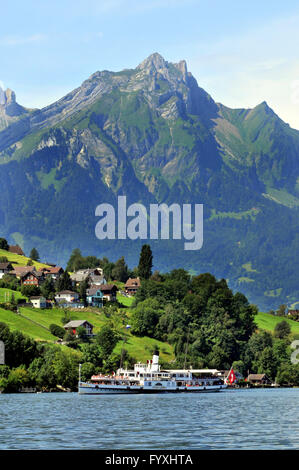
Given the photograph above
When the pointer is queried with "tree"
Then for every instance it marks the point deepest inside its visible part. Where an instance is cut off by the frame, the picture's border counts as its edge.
(64, 282)
(282, 329)
(48, 289)
(75, 260)
(281, 310)
(267, 363)
(57, 330)
(120, 270)
(30, 291)
(145, 262)
(82, 291)
(34, 255)
(146, 317)
(3, 244)
(107, 339)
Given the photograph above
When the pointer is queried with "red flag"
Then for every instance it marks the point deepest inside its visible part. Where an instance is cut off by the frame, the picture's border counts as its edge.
(231, 376)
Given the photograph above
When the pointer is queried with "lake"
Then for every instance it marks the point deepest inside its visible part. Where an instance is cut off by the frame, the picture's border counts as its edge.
(232, 419)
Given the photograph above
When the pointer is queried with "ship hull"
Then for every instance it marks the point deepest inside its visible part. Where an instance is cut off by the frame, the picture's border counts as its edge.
(92, 390)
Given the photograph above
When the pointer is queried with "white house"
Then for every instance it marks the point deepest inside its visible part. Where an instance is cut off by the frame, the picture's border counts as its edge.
(67, 296)
(38, 302)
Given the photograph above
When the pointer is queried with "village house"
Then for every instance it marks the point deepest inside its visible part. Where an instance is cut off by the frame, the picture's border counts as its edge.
(94, 297)
(19, 271)
(39, 301)
(109, 292)
(5, 268)
(132, 286)
(16, 249)
(258, 379)
(95, 271)
(53, 272)
(67, 296)
(94, 276)
(75, 324)
(32, 278)
(97, 280)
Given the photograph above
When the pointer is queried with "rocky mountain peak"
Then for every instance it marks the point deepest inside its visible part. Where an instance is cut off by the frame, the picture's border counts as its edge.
(182, 67)
(155, 62)
(7, 97)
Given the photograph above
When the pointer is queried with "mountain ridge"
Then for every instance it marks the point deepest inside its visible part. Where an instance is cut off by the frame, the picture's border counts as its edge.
(152, 134)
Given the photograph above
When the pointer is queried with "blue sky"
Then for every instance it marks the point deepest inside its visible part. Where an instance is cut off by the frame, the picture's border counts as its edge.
(242, 53)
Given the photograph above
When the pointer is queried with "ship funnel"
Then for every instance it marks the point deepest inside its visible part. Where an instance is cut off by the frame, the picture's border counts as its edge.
(155, 362)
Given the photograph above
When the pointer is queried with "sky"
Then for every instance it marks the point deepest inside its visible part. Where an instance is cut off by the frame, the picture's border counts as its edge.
(240, 52)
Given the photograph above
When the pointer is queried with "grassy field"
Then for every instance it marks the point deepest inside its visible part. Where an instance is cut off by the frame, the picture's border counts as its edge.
(18, 323)
(267, 322)
(35, 323)
(127, 301)
(6, 295)
(54, 315)
(19, 260)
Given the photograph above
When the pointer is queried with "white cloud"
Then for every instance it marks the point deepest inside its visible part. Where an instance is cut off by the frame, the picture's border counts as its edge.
(20, 40)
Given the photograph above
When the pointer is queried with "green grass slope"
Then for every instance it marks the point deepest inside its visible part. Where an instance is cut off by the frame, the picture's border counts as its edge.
(19, 260)
(35, 323)
(267, 322)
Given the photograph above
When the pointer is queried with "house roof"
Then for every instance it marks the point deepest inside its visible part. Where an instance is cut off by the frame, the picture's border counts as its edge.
(34, 273)
(79, 277)
(76, 323)
(135, 282)
(257, 377)
(5, 265)
(20, 270)
(108, 287)
(93, 290)
(37, 297)
(97, 271)
(70, 292)
(16, 249)
(55, 270)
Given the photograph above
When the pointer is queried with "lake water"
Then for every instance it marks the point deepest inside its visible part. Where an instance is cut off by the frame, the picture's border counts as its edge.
(232, 419)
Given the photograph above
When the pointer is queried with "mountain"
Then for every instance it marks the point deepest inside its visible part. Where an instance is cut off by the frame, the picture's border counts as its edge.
(152, 134)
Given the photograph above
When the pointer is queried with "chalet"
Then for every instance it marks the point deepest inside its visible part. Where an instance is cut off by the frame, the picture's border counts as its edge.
(132, 286)
(258, 379)
(54, 272)
(5, 268)
(32, 278)
(38, 302)
(75, 324)
(97, 280)
(88, 271)
(109, 292)
(67, 296)
(94, 276)
(94, 297)
(16, 249)
(19, 271)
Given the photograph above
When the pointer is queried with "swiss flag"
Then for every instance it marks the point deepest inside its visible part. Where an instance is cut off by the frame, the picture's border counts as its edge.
(231, 376)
